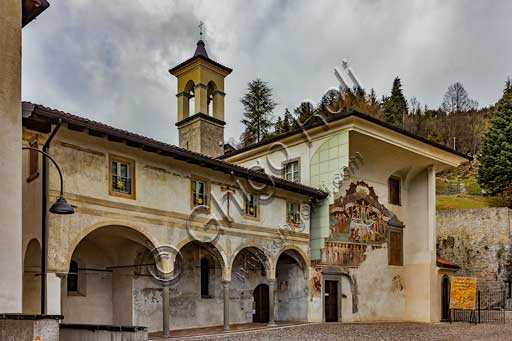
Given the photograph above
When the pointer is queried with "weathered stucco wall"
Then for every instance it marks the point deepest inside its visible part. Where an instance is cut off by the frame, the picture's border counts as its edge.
(480, 242)
(11, 253)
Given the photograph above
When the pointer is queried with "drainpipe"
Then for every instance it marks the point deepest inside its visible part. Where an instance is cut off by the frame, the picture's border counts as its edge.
(44, 211)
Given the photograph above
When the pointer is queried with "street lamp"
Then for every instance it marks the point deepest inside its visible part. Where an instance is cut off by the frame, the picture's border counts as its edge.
(60, 206)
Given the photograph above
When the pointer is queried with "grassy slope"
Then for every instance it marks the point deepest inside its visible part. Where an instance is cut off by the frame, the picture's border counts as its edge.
(447, 202)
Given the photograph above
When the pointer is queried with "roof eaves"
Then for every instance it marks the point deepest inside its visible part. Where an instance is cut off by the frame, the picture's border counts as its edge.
(165, 149)
(339, 117)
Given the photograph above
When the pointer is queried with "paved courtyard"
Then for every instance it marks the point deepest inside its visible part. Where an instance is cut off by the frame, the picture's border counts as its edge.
(373, 331)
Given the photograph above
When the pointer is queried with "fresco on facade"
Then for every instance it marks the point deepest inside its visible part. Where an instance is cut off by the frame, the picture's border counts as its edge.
(357, 222)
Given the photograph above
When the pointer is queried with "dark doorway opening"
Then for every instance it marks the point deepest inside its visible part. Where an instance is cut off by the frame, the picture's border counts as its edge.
(445, 299)
(331, 301)
(261, 296)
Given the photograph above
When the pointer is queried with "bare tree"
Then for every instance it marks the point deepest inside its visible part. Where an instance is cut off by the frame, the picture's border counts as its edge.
(456, 99)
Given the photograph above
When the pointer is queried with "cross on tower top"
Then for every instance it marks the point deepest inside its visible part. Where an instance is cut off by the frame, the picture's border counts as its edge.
(201, 25)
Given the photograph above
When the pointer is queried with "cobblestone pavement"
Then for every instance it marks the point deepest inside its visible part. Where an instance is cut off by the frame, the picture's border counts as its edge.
(376, 331)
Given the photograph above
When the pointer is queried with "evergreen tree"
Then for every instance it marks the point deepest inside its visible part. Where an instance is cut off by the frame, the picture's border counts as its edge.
(395, 106)
(435, 136)
(279, 126)
(495, 170)
(258, 106)
(287, 121)
(304, 112)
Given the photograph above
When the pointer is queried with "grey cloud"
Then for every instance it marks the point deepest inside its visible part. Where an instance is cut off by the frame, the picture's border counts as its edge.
(108, 60)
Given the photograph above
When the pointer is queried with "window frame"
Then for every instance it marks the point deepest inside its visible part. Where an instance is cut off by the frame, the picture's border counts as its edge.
(257, 203)
(288, 220)
(208, 192)
(290, 162)
(81, 284)
(390, 250)
(399, 182)
(132, 173)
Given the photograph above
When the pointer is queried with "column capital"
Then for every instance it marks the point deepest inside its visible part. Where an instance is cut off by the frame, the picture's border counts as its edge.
(226, 283)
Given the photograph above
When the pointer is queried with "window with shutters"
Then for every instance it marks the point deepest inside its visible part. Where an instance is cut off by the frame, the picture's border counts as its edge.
(122, 177)
(33, 161)
(252, 206)
(293, 213)
(200, 192)
(395, 247)
(291, 170)
(394, 190)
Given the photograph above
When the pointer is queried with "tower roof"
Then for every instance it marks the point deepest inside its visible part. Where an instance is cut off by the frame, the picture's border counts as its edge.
(200, 54)
(201, 50)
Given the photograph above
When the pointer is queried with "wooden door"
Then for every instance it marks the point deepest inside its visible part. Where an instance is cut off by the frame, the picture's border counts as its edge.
(331, 301)
(261, 297)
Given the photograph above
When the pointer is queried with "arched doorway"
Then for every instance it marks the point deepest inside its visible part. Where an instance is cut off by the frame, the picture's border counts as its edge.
(445, 299)
(198, 290)
(32, 279)
(250, 267)
(261, 304)
(108, 279)
(292, 293)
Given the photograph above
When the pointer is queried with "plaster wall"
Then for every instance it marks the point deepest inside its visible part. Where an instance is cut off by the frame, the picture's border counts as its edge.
(161, 213)
(94, 303)
(292, 293)
(11, 251)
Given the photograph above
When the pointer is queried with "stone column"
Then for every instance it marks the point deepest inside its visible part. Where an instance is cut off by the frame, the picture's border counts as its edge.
(11, 268)
(183, 105)
(53, 293)
(201, 99)
(218, 104)
(271, 294)
(226, 285)
(165, 310)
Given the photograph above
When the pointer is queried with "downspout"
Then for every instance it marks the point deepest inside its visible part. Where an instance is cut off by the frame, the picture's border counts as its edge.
(44, 211)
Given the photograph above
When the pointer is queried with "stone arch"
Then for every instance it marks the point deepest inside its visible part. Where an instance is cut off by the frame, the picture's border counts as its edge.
(303, 258)
(113, 258)
(292, 279)
(256, 248)
(31, 280)
(189, 98)
(216, 252)
(151, 242)
(211, 90)
(256, 251)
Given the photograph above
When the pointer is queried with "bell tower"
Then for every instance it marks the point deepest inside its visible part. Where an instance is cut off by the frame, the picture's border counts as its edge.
(201, 90)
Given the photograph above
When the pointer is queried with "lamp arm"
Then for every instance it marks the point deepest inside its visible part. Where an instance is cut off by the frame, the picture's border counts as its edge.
(54, 162)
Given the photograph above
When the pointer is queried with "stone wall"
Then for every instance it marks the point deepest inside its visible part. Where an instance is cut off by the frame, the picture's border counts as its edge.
(479, 241)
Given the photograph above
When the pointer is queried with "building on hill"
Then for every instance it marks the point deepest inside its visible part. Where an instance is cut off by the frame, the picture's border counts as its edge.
(197, 238)
(373, 241)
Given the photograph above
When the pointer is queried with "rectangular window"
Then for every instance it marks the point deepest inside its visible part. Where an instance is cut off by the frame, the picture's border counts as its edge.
(252, 205)
(33, 161)
(395, 248)
(122, 177)
(293, 213)
(394, 191)
(291, 171)
(200, 193)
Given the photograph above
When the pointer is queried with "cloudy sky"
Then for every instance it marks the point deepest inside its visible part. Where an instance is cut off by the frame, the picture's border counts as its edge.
(108, 60)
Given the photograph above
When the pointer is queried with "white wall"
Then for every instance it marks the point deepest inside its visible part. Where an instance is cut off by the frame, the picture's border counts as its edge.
(11, 250)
